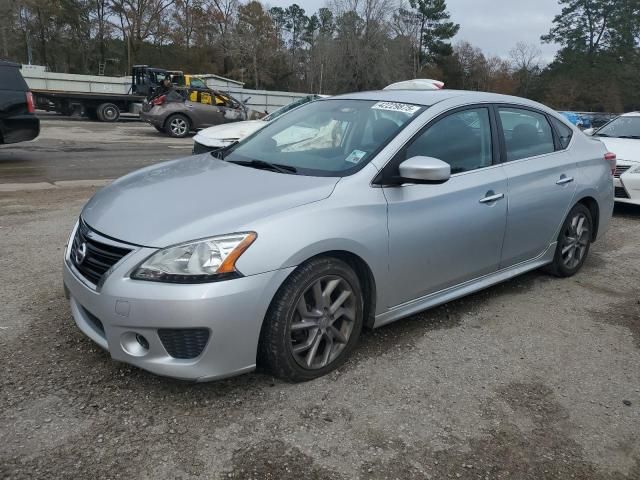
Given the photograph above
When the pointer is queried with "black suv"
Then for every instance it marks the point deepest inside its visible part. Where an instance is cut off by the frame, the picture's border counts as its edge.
(18, 122)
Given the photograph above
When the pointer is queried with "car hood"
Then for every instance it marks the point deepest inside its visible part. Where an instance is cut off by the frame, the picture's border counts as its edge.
(222, 135)
(626, 149)
(196, 197)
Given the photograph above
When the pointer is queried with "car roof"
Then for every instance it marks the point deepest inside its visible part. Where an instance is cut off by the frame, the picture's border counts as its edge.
(431, 97)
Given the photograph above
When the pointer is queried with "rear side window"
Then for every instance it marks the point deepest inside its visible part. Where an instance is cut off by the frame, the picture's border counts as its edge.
(462, 139)
(526, 133)
(564, 133)
(11, 79)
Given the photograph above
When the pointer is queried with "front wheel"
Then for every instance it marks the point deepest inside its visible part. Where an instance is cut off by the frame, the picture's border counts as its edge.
(313, 322)
(177, 126)
(573, 242)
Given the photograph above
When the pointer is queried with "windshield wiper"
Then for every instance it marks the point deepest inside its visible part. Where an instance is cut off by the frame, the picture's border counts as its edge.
(221, 152)
(634, 137)
(601, 135)
(276, 167)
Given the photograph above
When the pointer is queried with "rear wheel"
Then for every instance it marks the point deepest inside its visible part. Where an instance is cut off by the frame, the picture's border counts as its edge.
(573, 243)
(313, 322)
(108, 112)
(177, 125)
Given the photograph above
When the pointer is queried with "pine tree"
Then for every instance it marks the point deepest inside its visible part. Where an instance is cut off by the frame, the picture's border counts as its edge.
(436, 29)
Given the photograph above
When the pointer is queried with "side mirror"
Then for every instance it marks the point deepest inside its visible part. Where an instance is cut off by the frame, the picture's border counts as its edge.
(589, 131)
(424, 170)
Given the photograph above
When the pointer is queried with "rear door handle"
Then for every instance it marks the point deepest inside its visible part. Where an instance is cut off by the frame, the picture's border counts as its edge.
(564, 180)
(492, 197)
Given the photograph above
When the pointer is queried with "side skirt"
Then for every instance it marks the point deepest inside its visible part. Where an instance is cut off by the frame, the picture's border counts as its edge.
(464, 289)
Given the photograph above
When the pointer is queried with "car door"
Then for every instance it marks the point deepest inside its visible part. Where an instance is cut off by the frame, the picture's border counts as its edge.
(446, 234)
(203, 113)
(540, 172)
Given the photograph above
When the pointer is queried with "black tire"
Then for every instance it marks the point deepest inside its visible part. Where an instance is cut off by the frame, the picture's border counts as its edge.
(177, 125)
(108, 112)
(278, 340)
(160, 129)
(572, 242)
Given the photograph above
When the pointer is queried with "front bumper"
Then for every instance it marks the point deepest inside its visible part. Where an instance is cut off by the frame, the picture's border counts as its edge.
(627, 187)
(120, 309)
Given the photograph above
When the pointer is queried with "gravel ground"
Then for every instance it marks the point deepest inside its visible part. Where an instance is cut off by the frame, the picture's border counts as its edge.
(538, 378)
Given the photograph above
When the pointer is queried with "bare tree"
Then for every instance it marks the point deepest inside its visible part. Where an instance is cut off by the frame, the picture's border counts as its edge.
(139, 21)
(526, 61)
(223, 15)
(186, 18)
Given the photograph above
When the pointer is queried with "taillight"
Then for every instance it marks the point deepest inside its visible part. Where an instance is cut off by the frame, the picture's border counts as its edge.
(159, 100)
(31, 107)
(611, 158)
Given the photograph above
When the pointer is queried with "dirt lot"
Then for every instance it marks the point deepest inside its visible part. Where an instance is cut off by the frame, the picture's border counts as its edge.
(538, 378)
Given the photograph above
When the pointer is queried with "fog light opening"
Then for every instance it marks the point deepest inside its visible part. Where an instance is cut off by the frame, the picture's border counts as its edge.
(134, 344)
(142, 341)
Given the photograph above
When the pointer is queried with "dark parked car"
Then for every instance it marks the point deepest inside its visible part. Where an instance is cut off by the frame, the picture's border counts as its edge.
(18, 122)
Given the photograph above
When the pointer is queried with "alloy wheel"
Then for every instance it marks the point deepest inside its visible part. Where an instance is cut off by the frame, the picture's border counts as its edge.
(576, 240)
(322, 322)
(178, 126)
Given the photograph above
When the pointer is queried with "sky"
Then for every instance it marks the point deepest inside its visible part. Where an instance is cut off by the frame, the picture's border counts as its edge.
(493, 25)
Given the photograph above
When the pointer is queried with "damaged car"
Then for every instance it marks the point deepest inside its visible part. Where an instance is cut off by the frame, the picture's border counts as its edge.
(179, 112)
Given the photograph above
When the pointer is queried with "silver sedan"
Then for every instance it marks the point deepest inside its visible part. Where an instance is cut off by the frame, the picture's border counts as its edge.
(349, 212)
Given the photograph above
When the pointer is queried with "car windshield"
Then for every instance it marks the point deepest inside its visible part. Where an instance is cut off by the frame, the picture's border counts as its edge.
(290, 106)
(326, 138)
(621, 127)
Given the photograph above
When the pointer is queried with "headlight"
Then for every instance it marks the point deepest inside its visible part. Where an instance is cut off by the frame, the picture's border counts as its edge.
(196, 262)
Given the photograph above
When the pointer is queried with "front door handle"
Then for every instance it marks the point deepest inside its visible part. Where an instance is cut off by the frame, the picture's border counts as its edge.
(492, 197)
(564, 180)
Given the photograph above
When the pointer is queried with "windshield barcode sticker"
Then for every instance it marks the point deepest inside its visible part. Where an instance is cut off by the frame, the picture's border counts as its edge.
(355, 156)
(397, 107)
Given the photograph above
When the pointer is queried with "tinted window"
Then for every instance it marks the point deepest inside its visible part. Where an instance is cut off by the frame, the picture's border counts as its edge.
(526, 133)
(564, 132)
(462, 139)
(11, 79)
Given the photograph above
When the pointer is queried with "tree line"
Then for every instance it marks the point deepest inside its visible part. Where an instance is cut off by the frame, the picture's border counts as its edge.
(349, 45)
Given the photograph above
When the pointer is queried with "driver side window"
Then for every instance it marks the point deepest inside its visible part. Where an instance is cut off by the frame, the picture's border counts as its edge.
(461, 139)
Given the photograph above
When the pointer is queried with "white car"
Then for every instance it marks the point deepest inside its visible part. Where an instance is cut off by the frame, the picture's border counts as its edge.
(622, 137)
(221, 136)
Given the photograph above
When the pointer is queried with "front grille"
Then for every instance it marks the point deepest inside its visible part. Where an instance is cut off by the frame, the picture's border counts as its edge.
(200, 148)
(621, 193)
(184, 343)
(620, 169)
(91, 257)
